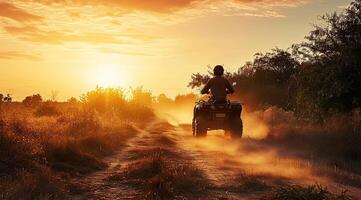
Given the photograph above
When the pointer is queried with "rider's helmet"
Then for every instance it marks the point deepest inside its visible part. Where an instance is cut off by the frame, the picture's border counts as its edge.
(218, 70)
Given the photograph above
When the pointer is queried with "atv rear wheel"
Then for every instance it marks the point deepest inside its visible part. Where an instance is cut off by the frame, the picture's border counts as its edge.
(236, 128)
(199, 127)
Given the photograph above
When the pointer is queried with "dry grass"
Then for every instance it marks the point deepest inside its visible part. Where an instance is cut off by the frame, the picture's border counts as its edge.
(39, 184)
(46, 109)
(335, 142)
(161, 177)
(40, 147)
(296, 192)
(244, 183)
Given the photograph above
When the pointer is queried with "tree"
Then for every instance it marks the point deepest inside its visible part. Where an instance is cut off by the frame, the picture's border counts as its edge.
(275, 67)
(198, 79)
(330, 79)
(318, 78)
(33, 100)
(72, 100)
(104, 99)
(264, 81)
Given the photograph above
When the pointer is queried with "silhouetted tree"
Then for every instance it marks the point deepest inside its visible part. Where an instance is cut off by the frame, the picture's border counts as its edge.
(8, 98)
(275, 67)
(261, 82)
(321, 77)
(33, 100)
(330, 79)
(197, 80)
(72, 100)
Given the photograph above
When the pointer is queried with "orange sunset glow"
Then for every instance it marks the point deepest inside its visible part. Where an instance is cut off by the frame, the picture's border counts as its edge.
(180, 99)
(72, 46)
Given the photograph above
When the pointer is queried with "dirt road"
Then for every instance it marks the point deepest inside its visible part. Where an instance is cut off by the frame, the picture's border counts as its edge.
(166, 162)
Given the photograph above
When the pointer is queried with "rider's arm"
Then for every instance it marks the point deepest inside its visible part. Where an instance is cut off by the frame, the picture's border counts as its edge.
(229, 87)
(206, 88)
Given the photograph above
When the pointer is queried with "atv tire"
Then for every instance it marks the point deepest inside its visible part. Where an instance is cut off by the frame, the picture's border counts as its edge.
(236, 130)
(199, 127)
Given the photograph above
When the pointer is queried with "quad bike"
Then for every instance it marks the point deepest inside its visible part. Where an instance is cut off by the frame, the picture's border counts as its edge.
(213, 115)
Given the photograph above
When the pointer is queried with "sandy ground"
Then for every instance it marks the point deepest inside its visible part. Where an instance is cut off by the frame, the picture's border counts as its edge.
(223, 161)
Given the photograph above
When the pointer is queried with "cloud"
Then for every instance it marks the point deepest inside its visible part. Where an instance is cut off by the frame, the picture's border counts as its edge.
(274, 3)
(18, 55)
(154, 5)
(148, 5)
(112, 22)
(33, 34)
(59, 37)
(12, 12)
(56, 37)
(125, 52)
(164, 6)
(19, 30)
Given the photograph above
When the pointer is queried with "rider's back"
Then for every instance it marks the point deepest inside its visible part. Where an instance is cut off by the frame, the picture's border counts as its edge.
(218, 86)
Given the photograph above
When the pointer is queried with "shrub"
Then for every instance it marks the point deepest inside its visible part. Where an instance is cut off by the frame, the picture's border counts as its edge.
(46, 109)
(104, 100)
(33, 100)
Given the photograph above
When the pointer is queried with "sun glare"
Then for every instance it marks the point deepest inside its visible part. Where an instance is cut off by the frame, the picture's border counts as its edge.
(108, 76)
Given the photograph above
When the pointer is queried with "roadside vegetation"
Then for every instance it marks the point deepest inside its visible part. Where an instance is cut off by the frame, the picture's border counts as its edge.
(311, 91)
(163, 178)
(315, 79)
(308, 96)
(44, 144)
(313, 192)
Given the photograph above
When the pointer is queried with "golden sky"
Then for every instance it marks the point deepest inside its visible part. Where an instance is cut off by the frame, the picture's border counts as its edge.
(72, 46)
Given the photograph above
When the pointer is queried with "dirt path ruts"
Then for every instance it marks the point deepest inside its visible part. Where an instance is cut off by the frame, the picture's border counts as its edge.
(231, 172)
(97, 185)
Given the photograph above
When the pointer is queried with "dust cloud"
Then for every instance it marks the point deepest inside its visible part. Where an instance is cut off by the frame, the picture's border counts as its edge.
(252, 158)
(255, 126)
(252, 155)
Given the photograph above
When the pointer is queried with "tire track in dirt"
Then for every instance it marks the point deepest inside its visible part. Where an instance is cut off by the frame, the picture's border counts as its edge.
(112, 184)
(95, 186)
(231, 169)
(246, 169)
(226, 176)
(178, 144)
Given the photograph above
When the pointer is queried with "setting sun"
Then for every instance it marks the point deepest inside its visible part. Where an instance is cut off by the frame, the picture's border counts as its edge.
(108, 76)
(120, 43)
(180, 99)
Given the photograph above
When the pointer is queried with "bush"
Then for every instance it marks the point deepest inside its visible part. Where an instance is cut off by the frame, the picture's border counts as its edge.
(38, 155)
(317, 79)
(104, 100)
(34, 100)
(46, 109)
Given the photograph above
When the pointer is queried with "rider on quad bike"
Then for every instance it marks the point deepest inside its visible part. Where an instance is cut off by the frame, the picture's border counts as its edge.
(218, 112)
(218, 85)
